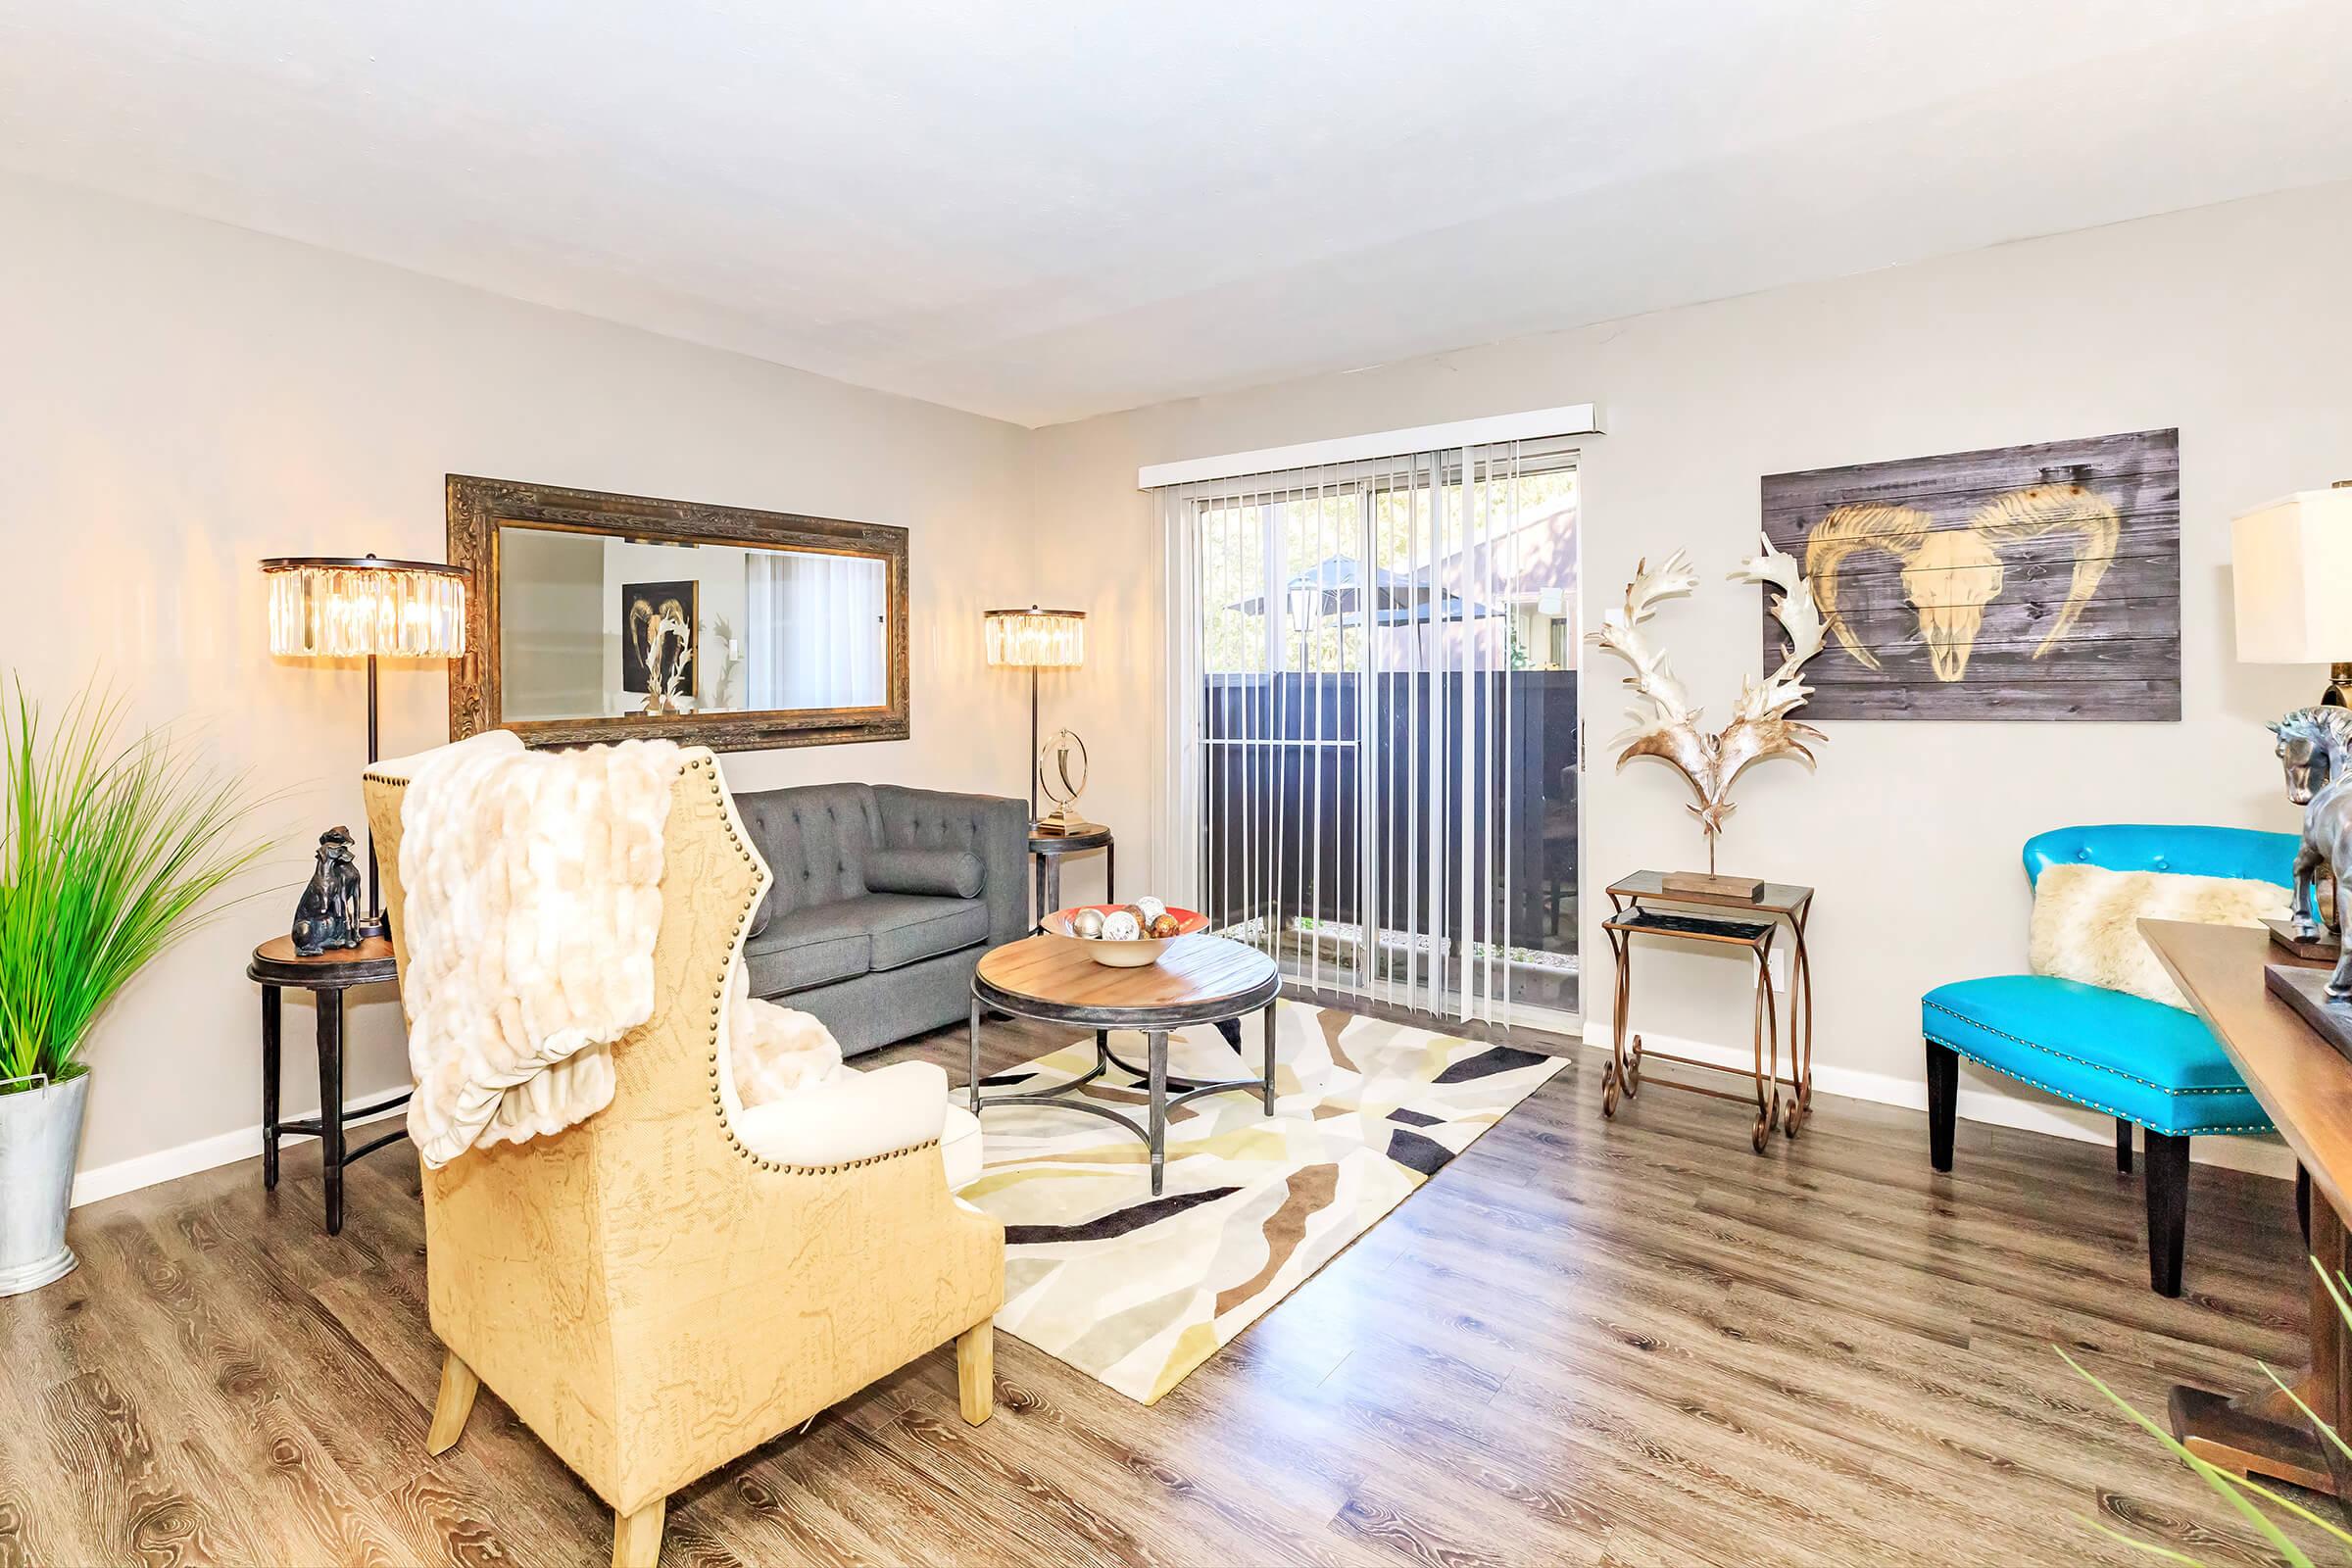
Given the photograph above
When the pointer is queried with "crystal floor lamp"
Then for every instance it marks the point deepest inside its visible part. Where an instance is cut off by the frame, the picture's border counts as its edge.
(1042, 639)
(360, 606)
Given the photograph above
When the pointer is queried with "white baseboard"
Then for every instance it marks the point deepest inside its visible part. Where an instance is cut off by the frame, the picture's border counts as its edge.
(2041, 1114)
(187, 1159)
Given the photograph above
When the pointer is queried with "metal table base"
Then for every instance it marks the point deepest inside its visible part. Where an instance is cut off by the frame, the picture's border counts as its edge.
(1166, 1092)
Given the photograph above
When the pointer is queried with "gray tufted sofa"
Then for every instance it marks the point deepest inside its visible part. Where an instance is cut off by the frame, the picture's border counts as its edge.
(884, 900)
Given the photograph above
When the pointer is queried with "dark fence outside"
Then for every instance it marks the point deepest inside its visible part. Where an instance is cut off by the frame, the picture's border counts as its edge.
(1287, 755)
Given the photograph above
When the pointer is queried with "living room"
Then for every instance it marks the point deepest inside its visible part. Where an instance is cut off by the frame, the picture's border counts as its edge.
(1247, 525)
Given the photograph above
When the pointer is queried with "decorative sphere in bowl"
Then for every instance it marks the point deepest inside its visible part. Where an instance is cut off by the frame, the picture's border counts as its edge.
(1150, 908)
(1139, 944)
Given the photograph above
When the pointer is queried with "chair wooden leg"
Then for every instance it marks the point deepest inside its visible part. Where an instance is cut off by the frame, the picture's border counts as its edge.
(458, 1386)
(637, 1536)
(2168, 1209)
(976, 1369)
(1944, 1102)
(2123, 1147)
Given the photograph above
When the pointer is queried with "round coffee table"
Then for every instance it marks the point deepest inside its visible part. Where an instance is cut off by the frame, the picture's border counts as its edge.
(1199, 979)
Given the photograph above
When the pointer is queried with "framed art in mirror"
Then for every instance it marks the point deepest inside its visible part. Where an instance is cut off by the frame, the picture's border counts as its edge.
(600, 618)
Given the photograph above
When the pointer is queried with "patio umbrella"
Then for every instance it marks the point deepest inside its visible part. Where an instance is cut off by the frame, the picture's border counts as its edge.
(1335, 584)
(1427, 612)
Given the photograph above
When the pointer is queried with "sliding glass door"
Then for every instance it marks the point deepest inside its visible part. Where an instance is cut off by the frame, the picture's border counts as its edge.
(1373, 698)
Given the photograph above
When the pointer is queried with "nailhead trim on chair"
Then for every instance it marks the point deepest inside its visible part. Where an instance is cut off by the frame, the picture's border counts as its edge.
(2068, 1095)
(718, 1101)
(2035, 1044)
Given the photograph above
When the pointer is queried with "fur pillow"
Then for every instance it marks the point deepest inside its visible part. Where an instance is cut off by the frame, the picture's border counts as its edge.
(2087, 922)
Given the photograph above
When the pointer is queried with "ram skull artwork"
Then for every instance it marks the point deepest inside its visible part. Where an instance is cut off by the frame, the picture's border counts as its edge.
(665, 636)
(1665, 724)
(1950, 574)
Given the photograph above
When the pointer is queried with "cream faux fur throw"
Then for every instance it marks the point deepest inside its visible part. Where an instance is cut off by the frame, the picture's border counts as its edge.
(2087, 922)
(532, 888)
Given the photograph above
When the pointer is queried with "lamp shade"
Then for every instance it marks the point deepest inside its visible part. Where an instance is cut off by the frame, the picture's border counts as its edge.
(1039, 638)
(354, 606)
(2292, 566)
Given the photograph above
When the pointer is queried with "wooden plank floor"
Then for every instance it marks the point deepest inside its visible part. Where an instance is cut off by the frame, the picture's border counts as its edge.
(1582, 1343)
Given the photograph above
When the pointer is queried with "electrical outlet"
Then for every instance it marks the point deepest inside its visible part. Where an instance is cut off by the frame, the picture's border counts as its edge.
(1778, 967)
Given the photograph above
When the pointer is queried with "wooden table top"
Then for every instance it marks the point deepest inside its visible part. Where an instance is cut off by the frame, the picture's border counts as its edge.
(2304, 1087)
(1779, 898)
(1199, 979)
(277, 961)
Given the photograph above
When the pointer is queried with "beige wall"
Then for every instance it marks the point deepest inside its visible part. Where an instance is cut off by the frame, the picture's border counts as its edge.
(180, 399)
(2233, 322)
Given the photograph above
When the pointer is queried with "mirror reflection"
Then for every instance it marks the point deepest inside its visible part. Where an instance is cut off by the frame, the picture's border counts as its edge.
(592, 626)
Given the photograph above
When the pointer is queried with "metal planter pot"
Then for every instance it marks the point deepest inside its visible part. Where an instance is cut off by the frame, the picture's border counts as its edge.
(40, 1133)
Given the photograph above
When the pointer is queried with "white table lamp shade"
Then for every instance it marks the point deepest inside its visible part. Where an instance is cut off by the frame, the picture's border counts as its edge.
(2292, 566)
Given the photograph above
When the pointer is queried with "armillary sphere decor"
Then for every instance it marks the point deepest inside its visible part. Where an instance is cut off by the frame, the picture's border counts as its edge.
(1665, 724)
(1061, 774)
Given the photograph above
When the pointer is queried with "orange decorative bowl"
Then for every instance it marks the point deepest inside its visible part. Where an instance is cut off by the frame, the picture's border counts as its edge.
(1120, 954)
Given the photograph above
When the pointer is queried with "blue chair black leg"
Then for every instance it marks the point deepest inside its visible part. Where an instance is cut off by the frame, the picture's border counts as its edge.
(2123, 1147)
(2168, 1208)
(1944, 1102)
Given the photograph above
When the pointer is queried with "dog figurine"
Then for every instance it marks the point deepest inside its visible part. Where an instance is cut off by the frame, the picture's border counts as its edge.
(328, 915)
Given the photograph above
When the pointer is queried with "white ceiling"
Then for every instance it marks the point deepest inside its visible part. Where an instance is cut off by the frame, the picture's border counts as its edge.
(1046, 209)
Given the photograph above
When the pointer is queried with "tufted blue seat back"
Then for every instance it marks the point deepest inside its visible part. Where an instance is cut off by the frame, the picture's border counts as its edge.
(2231, 851)
(814, 839)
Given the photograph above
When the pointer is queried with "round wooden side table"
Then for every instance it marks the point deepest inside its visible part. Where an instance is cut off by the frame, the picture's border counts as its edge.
(327, 977)
(1049, 847)
(1199, 979)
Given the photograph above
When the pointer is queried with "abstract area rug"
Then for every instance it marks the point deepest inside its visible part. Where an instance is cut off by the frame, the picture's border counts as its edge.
(1138, 1290)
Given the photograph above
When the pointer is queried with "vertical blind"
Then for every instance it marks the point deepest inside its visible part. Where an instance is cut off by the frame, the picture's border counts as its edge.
(1346, 785)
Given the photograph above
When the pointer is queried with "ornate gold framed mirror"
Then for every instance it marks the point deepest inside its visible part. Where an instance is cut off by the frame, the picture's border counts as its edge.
(601, 618)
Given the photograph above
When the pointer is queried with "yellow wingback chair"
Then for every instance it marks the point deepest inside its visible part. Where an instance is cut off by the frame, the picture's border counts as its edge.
(652, 1294)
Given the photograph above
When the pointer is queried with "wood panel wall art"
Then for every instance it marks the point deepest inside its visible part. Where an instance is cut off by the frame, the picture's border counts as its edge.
(2028, 582)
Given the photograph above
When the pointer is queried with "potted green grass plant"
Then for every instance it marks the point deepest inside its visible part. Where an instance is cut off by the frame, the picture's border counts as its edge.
(113, 845)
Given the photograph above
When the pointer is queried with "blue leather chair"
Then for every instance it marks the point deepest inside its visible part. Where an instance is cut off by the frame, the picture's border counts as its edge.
(2143, 1064)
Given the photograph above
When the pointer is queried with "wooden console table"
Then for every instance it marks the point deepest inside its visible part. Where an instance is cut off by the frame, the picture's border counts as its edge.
(2306, 1090)
(1752, 923)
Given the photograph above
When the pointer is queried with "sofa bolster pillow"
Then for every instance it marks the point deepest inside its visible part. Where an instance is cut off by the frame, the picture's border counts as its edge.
(941, 873)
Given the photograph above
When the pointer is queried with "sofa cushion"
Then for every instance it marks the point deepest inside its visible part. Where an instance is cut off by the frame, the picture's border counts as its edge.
(855, 1115)
(907, 927)
(959, 1147)
(947, 873)
(810, 947)
(2126, 1055)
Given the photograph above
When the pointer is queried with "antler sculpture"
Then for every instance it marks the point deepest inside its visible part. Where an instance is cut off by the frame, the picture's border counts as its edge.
(1665, 724)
